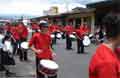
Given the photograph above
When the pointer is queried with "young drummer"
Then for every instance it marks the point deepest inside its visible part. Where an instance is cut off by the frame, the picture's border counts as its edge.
(42, 46)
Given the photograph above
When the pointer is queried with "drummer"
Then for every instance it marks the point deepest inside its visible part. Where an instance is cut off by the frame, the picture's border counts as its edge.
(16, 37)
(80, 32)
(54, 29)
(68, 30)
(35, 27)
(42, 47)
(23, 34)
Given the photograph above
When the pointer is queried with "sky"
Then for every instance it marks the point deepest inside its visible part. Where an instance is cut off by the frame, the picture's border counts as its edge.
(36, 7)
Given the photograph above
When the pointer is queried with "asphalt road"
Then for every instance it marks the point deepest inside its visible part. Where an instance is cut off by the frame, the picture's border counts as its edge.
(71, 64)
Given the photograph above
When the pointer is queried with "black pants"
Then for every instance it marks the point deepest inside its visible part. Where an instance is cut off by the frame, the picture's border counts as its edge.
(80, 46)
(63, 35)
(16, 49)
(40, 75)
(2, 68)
(54, 40)
(23, 53)
(68, 42)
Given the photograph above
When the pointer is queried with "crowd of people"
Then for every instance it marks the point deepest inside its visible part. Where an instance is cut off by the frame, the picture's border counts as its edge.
(104, 63)
(11, 38)
(41, 42)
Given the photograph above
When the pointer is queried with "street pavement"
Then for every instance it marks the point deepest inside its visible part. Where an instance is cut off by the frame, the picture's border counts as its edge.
(71, 64)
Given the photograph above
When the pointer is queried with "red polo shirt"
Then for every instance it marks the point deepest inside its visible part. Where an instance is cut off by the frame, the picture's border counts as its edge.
(23, 32)
(79, 33)
(15, 33)
(54, 28)
(104, 64)
(35, 26)
(68, 29)
(42, 42)
(86, 29)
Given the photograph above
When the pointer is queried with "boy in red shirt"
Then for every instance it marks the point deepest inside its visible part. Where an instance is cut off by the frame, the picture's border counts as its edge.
(80, 34)
(42, 46)
(23, 34)
(105, 63)
(68, 30)
(54, 29)
(35, 27)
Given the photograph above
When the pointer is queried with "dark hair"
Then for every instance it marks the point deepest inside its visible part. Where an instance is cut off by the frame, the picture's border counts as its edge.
(116, 5)
(111, 24)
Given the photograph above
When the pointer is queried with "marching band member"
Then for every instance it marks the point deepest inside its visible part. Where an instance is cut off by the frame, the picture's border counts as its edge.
(42, 47)
(23, 34)
(80, 35)
(15, 34)
(105, 63)
(35, 27)
(68, 30)
(54, 29)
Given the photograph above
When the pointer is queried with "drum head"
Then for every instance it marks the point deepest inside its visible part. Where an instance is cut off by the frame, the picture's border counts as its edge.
(1, 36)
(8, 43)
(52, 36)
(72, 36)
(24, 45)
(8, 46)
(86, 41)
(49, 64)
(59, 35)
(91, 35)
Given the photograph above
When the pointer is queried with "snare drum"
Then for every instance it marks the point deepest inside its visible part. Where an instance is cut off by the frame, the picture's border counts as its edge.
(48, 67)
(59, 35)
(73, 38)
(86, 41)
(24, 45)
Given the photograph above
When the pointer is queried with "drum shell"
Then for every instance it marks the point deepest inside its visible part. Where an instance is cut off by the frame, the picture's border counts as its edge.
(47, 71)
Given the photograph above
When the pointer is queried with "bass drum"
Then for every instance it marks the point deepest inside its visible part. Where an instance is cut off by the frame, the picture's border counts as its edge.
(48, 67)
(86, 41)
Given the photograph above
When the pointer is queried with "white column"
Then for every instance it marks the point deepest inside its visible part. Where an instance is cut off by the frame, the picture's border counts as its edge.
(74, 23)
(92, 23)
(82, 20)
